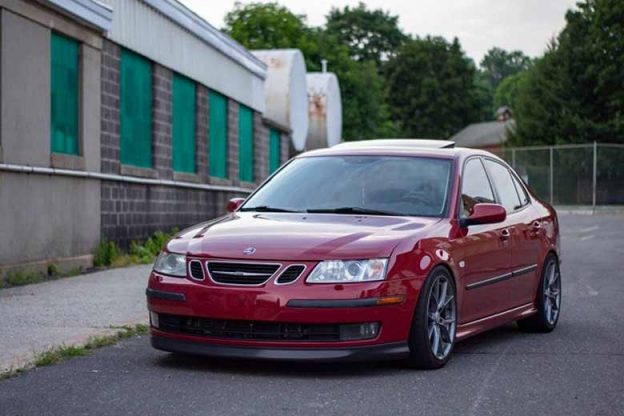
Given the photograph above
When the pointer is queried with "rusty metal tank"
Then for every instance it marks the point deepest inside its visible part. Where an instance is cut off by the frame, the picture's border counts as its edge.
(285, 92)
(324, 110)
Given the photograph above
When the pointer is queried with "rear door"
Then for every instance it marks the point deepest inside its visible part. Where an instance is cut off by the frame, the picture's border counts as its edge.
(524, 232)
(483, 252)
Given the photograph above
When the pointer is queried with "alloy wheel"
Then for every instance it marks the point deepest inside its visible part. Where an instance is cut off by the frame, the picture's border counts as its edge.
(552, 293)
(441, 314)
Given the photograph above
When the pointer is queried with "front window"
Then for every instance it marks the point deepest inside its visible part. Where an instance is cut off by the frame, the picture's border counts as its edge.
(382, 185)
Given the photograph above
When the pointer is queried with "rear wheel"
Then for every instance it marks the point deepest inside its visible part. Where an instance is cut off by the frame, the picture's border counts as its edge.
(435, 321)
(548, 299)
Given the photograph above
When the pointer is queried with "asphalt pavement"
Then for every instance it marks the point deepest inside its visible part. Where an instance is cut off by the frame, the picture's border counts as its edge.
(576, 370)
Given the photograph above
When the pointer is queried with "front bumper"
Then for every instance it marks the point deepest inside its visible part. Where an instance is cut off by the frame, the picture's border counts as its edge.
(392, 351)
(297, 303)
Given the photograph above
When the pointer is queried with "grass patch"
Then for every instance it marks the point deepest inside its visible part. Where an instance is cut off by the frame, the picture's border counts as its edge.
(109, 254)
(20, 278)
(59, 354)
(65, 352)
(24, 277)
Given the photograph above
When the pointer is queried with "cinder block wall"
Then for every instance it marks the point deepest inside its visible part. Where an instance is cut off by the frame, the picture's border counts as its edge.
(134, 211)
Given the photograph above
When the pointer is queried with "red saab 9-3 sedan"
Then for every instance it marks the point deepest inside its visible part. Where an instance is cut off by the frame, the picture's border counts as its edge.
(385, 249)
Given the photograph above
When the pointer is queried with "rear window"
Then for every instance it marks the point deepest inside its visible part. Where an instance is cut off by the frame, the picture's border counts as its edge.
(501, 177)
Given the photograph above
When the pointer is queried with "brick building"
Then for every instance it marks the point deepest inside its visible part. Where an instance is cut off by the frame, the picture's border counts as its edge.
(119, 118)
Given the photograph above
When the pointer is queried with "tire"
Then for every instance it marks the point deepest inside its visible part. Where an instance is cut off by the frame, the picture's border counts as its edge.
(428, 315)
(547, 299)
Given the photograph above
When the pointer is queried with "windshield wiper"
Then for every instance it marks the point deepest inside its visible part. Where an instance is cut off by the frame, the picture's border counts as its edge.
(352, 210)
(266, 208)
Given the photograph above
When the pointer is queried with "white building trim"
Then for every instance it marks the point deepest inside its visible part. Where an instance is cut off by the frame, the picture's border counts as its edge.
(92, 12)
(208, 33)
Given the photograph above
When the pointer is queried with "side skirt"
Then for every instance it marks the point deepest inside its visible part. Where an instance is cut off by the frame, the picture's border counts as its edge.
(483, 324)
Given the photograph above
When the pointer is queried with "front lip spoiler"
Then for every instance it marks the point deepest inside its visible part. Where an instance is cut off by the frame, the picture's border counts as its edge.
(391, 351)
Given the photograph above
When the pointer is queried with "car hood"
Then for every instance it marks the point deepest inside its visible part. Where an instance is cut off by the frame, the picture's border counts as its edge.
(298, 237)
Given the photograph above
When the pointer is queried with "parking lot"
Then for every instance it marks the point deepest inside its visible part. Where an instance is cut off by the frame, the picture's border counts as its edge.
(576, 370)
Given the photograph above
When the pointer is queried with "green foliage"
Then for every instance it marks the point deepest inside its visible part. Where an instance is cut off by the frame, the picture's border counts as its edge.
(431, 90)
(59, 354)
(393, 85)
(105, 253)
(575, 93)
(370, 35)
(508, 90)
(483, 96)
(266, 26)
(499, 64)
(108, 254)
(22, 277)
(146, 252)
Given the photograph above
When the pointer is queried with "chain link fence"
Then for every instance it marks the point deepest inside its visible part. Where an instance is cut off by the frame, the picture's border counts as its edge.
(583, 174)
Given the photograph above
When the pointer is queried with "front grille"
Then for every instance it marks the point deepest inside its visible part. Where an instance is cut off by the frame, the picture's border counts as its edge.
(250, 330)
(290, 274)
(241, 273)
(197, 272)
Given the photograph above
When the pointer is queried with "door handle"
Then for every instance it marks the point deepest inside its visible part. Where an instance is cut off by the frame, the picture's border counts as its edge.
(505, 234)
(536, 225)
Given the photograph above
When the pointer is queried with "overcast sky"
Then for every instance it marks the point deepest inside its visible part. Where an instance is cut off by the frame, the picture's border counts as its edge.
(526, 25)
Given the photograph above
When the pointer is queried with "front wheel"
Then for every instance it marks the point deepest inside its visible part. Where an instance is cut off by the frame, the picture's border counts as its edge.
(434, 324)
(548, 299)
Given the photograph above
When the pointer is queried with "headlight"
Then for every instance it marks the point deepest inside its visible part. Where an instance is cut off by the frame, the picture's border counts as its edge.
(351, 271)
(171, 264)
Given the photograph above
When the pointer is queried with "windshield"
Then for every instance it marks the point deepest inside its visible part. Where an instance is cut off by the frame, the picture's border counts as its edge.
(376, 185)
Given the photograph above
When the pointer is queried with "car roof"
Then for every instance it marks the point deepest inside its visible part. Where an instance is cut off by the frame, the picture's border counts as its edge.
(398, 147)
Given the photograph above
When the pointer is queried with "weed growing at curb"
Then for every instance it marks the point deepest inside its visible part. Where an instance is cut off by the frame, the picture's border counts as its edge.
(65, 352)
(24, 277)
(109, 254)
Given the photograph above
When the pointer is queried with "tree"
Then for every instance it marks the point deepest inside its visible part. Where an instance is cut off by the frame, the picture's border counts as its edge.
(431, 90)
(266, 26)
(498, 64)
(371, 35)
(575, 93)
(507, 91)
(270, 26)
(484, 95)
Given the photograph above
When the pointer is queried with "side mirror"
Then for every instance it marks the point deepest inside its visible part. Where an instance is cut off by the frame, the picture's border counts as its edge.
(234, 203)
(484, 214)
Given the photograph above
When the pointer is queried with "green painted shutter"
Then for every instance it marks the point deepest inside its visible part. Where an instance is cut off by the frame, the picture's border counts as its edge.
(135, 119)
(218, 120)
(246, 149)
(275, 150)
(183, 141)
(64, 94)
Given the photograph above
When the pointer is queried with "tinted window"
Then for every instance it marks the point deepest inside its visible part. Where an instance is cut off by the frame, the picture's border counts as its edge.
(524, 198)
(501, 177)
(475, 186)
(402, 185)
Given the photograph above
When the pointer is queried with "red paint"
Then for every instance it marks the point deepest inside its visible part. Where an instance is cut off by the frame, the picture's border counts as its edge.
(234, 203)
(487, 214)
(497, 243)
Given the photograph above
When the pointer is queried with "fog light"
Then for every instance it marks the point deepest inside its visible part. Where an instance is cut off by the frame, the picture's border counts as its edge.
(359, 331)
(154, 319)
